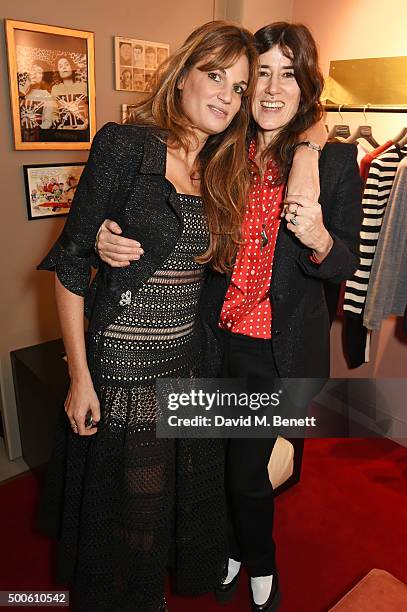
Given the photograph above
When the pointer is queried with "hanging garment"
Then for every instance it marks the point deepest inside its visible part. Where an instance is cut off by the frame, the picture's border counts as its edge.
(366, 161)
(364, 149)
(375, 197)
(387, 293)
(335, 294)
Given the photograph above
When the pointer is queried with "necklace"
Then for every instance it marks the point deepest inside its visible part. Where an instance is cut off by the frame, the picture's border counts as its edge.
(259, 182)
(264, 237)
(263, 232)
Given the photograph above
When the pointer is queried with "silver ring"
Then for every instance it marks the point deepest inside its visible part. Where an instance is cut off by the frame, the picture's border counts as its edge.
(294, 220)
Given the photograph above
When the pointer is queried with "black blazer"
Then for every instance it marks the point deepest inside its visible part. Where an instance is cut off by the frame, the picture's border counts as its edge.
(301, 325)
(124, 180)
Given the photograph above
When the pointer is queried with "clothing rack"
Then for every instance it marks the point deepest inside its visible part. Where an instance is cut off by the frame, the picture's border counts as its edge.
(367, 108)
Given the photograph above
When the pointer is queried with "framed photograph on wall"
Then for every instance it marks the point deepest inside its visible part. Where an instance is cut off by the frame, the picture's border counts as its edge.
(136, 61)
(52, 86)
(50, 189)
(127, 113)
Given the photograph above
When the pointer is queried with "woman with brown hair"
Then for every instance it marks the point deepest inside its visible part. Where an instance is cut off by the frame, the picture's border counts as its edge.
(35, 98)
(39, 78)
(123, 503)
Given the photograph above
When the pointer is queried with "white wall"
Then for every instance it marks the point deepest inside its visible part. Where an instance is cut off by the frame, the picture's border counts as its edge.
(347, 29)
(350, 29)
(259, 13)
(254, 14)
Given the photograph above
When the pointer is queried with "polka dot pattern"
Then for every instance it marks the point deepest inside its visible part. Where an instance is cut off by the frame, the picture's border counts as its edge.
(247, 309)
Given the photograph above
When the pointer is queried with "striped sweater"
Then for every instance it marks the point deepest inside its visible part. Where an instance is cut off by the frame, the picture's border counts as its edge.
(387, 294)
(375, 197)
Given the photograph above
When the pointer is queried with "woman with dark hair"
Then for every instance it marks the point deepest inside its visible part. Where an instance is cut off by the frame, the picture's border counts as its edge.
(272, 309)
(70, 97)
(66, 79)
(282, 328)
(123, 503)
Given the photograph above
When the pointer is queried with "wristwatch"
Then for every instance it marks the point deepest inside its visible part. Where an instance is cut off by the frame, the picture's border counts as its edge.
(309, 144)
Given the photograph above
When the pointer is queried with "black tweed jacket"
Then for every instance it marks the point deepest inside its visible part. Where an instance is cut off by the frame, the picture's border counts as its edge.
(301, 322)
(123, 180)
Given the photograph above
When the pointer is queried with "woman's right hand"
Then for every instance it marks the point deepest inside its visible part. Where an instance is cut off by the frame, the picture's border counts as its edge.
(81, 400)
(113, 249)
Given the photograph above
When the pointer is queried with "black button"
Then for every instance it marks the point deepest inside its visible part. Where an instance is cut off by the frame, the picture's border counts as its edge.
(276, 332)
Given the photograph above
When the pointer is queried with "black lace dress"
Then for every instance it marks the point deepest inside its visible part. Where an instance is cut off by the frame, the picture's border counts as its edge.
(124, 504)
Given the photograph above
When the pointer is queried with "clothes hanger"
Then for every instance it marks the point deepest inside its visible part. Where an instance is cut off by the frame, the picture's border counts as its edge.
(400, 136)
(365, 132)
(403, 141)
(339, 130)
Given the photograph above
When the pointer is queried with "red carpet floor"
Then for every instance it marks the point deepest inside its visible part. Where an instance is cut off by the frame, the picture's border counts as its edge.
(347, 515)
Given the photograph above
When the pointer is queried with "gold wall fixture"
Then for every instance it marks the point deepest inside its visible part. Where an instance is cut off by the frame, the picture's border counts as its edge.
(379, 80)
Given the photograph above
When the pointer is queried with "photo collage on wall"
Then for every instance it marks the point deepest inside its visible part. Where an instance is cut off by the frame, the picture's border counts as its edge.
(136, 63)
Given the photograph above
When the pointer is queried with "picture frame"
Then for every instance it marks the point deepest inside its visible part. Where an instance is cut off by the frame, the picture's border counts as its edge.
(52, 86)
(136, 62)
(49, 188)
(127, 113)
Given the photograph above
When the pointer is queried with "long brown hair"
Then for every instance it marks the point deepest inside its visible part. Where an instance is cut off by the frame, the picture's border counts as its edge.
(296, 43)
(223, 160)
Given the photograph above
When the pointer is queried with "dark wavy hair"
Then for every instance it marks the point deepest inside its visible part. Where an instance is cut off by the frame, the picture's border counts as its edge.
(296, 43)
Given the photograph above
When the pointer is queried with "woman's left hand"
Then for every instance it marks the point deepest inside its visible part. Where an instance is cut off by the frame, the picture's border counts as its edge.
(303, 180)
(305, 221)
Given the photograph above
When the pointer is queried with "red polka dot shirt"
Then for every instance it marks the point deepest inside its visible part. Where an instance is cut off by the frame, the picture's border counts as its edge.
(247, 308)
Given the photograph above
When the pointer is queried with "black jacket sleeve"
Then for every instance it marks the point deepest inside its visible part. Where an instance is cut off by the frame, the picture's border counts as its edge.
(73, 253)
(342, 218)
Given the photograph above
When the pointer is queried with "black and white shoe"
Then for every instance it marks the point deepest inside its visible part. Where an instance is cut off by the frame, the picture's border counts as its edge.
(273, 601)
(226, 591)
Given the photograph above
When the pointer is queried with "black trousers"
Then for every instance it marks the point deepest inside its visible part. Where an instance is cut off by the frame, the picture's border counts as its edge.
(249, 491)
